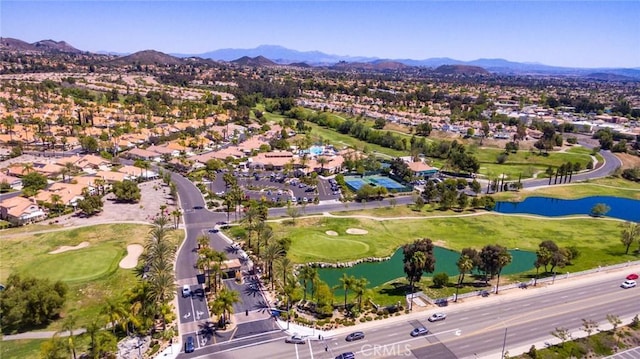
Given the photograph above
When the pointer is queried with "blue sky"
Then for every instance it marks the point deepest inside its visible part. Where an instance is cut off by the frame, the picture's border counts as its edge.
(561, 33)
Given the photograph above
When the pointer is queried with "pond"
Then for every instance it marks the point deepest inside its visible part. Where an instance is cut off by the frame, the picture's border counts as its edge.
(621, 208)
(378, 273)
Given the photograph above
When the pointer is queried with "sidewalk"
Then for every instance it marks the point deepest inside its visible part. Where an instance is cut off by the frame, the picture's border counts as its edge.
(503, 296)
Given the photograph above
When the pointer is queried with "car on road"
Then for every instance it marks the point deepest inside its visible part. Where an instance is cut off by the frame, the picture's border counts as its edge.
(214, 230)
(419, 331)
(189, 345)
(628, 284)
(355, 336)
(295, 339)
(198, 207)
(436, 317)
(186, 291)
(347, 355)
(632, 276)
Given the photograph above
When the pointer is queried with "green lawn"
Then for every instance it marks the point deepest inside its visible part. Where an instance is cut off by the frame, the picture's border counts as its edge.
(338, 139)
(21, 349)
(597, 239)
(92, 273)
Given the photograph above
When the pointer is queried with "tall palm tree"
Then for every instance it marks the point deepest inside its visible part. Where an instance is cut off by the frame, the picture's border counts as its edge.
(346, 282)
(203, 242)
(251, 217)
(417, 262)
(27, 167)
(307, 274)
(285, 266)
(217, 257)
(114, 311)
(56, 201)
(359, 288)
(465, 265)
(322, 161)
(176, 213)
(270, 254)
(227, 299)
(264, 239)
(504, 258)
(92, 329)
(67, 326)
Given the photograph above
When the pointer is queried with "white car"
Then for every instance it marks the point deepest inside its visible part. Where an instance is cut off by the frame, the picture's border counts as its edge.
(437, 317)
(186, 291)
(628, 284)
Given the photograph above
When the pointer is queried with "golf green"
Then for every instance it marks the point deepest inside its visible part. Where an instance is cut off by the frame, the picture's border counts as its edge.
(77, 265)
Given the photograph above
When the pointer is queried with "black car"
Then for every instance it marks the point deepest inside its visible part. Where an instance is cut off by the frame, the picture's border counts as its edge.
(354, 336)
(189, 346)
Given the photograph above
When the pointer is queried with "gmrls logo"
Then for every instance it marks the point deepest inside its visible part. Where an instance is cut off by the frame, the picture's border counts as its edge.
(395, 350)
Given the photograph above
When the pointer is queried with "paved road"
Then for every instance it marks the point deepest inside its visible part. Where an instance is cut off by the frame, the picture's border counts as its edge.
(474, 328)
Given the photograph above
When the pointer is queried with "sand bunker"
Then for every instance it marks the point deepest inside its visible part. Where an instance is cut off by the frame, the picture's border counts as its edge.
(357, 231)
(131, 260)
(331, 233)
(70, 248)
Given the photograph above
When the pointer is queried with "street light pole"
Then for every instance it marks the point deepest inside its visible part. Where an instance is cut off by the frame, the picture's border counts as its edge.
(504, 343)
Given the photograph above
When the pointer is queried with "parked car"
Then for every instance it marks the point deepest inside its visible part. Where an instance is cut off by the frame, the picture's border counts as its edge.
(295, 339)
(186, 291)
(347, 355)
(628, 284)
(632, 276)
(436, 317)
(442, 302)
(189, 345)
(419, 331)
(355, 336)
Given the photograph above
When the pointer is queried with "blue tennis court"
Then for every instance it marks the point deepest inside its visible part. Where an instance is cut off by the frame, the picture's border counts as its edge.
(386, 182)
(356, 182)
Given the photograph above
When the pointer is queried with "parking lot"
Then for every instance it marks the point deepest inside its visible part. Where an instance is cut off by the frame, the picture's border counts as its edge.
(274, 187)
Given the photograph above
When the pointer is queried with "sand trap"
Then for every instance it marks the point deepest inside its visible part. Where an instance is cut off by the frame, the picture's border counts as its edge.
(131, 260)
(70, 248)
(331, 233)
(357, 231)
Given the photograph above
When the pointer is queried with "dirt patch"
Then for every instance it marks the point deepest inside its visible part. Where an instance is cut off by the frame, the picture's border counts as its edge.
(357, 231)
(133, 253)
(628, 161)
(331, 233)
(70, 248)
(440, 243)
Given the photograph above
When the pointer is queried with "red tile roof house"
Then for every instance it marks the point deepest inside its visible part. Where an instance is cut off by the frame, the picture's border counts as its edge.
(20, 211)
(268, 160)
(13, 182)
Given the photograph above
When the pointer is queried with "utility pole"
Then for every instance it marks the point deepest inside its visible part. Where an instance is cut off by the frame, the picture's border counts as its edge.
(504, 343)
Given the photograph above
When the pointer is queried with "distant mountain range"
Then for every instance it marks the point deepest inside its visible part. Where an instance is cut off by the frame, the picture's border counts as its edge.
(272, 55)
(282, 55)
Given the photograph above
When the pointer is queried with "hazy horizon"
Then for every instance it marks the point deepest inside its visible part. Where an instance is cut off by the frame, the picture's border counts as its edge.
(590, 34)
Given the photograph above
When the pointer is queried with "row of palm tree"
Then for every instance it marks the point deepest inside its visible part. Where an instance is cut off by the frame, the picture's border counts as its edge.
(210, 262)
(357, 285)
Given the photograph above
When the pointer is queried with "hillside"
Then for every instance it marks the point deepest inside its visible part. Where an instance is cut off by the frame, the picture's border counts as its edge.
(460, 70)
(254, 61)
(147, 57)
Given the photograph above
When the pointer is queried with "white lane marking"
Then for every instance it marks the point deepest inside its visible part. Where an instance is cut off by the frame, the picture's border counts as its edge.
(310, 349)
(297, 355)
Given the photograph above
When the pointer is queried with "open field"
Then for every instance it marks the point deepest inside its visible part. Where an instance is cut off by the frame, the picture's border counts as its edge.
(338, 140)
(597, 239)
(92, 272)
(21, 349)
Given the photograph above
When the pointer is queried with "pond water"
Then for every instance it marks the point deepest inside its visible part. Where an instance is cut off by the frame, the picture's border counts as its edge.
(622, 208)
(381, 272)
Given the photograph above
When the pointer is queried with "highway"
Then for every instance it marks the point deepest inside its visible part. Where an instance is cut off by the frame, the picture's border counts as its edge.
(474, 329)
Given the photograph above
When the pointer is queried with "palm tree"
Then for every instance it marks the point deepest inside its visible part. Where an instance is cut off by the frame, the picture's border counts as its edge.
(92, 330)
(271, 253)
(504, 258)
(250, 218)
(465, 265)
(285, 265)
(56, 200)
(64, 172)
(322, 161)
(27, 167)
(417, 262)
(307, 274)
(176, 217)
(114, 310)
(100, 183)
(67, 326)
(217, 258)
(203, 242)
(227, 299)
(265, 237)
(347, 283)
(359, 288)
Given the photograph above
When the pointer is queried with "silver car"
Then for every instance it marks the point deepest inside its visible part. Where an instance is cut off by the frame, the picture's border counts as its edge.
(435, 317)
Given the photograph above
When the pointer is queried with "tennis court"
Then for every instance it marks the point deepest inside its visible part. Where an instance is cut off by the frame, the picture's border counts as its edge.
(355, 183)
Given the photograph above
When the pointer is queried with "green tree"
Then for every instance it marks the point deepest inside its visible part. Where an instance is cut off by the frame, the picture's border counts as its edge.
(630, 233)
(346, 283)
(417, 259)
(28, 301)
(465, 265)
(600, 210)
(307, 274)
(34, 181)
(440, 279)
(53, 348)
(68, 325)
(126, 191)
